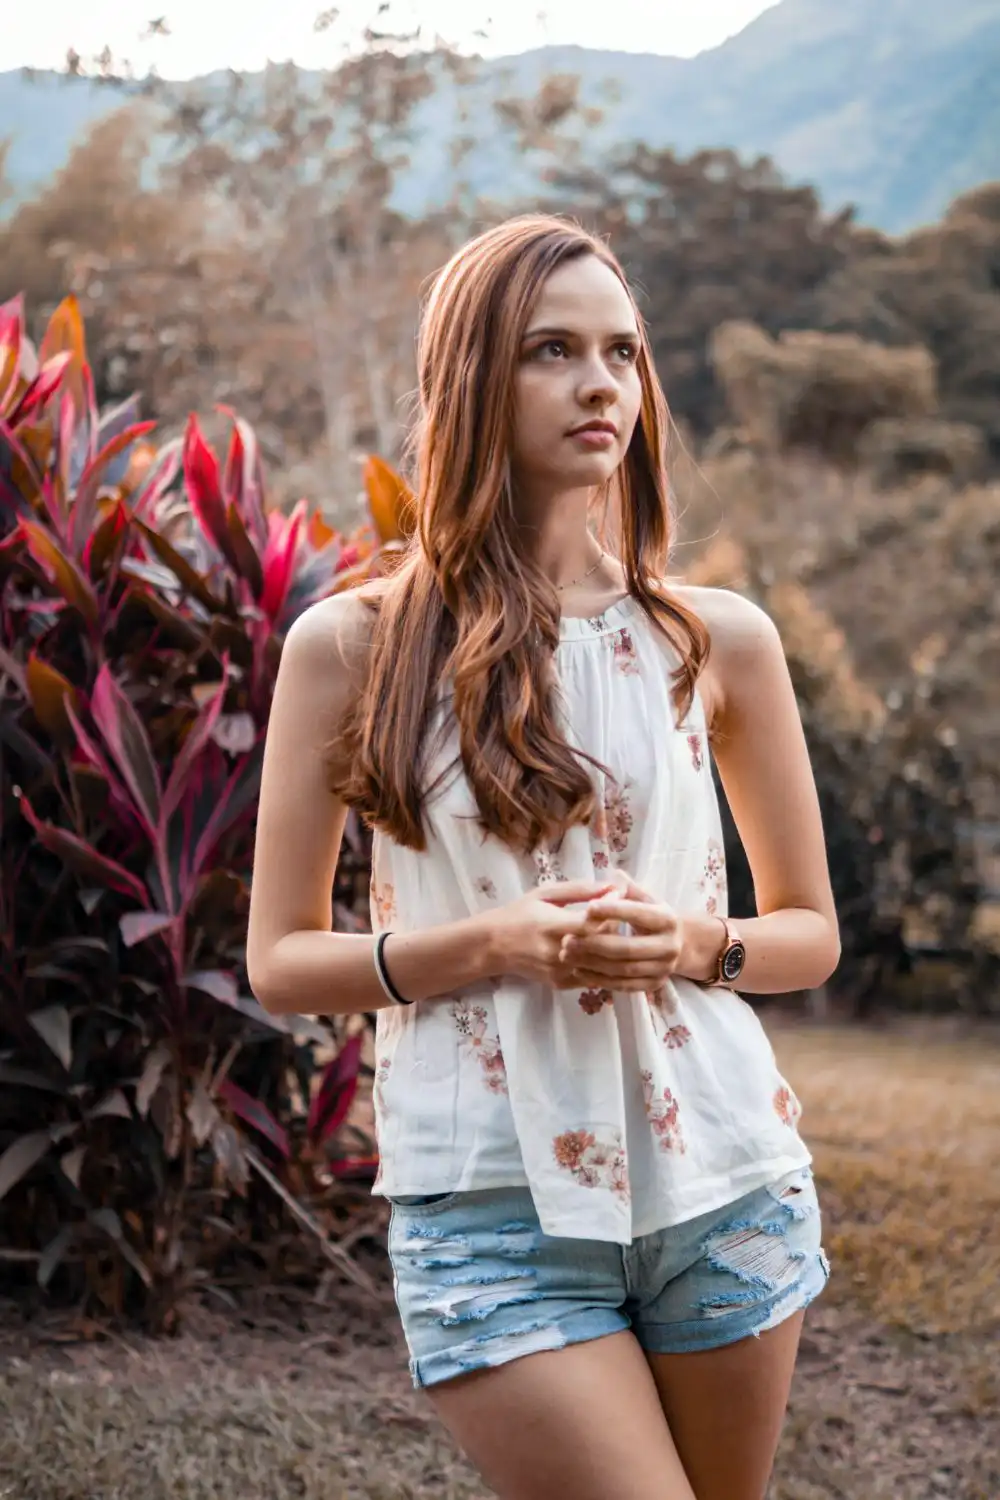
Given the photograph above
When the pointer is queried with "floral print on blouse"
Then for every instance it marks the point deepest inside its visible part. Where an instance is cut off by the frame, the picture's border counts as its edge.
(623, 1113)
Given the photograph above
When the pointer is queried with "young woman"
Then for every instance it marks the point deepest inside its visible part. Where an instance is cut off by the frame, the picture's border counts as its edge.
(604, 1227)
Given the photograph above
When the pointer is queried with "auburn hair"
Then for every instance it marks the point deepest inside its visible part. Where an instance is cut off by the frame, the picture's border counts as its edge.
(467, 613)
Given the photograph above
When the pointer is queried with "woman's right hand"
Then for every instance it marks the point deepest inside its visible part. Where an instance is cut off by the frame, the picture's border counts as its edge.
(527, 934)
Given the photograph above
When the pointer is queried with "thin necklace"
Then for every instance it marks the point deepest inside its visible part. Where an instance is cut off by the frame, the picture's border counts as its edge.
(583, 576)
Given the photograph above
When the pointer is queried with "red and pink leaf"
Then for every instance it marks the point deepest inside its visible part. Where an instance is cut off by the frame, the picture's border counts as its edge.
(126, 739)
(279, 558)
(353, 1168)
(62, 570)
(201, 478)
(187, 576)
(198, 737)
(44, 386)
(219, 983)
(236, 799)
(89, 487)
(243, 484)
(252, 1112)
(83, 858)
(11, 337)
(336, 1091)
(158, 478)
(137, 926)
(94, 757)
(241, 552)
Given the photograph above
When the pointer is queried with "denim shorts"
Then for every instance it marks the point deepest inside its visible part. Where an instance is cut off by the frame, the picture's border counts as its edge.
(478, 1282)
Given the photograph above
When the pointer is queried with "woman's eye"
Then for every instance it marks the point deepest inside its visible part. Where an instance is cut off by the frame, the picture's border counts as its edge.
(627, 352)
(553, 346)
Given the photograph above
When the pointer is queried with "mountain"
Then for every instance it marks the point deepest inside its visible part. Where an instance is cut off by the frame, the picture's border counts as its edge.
(893, 106)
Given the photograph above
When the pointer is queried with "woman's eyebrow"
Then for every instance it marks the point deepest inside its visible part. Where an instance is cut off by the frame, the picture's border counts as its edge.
(568, 333)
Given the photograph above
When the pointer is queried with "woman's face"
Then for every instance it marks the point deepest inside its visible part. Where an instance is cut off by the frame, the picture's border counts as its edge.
(577, 391)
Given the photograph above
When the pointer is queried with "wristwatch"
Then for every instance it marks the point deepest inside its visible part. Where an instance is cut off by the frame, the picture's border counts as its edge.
(733, 956)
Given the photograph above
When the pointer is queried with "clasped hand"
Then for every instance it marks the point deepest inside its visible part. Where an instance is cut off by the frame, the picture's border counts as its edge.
(600, 956)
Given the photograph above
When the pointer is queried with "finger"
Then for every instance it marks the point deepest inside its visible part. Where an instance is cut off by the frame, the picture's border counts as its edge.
(653, 917)
(627, 889)
(562, 892)
(633, 892)
(652, 970)
(585, 947)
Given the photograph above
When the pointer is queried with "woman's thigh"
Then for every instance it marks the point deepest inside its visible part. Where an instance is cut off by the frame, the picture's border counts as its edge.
(584, 1422)
(521, 1341)
(722, 1336)
(725, 1408)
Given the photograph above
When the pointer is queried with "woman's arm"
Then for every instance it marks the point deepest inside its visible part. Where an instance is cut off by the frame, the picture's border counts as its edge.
(760, 749)
(296, 963)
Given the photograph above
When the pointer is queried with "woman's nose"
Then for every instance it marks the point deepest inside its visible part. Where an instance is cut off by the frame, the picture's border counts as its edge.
(597, 385)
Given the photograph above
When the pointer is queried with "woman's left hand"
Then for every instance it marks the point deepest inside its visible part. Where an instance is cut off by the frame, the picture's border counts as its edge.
(601, 957)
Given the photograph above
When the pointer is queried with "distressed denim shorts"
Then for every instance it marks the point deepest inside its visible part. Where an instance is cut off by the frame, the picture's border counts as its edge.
(478, 1282)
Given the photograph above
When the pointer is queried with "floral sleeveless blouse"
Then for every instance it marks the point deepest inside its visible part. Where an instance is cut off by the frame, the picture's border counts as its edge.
(623, 1113)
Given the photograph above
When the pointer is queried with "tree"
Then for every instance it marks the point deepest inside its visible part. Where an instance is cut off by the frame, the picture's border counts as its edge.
(708, 239)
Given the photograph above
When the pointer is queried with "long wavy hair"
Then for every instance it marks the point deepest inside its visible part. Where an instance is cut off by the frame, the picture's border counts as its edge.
(467, 613)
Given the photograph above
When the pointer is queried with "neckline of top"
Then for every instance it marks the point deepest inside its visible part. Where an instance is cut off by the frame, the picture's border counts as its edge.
(591, 627)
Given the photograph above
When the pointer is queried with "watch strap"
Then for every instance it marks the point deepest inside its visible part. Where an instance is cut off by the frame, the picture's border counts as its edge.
(730, 940)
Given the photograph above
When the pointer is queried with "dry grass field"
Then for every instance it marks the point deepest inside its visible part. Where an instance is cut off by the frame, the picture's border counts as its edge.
(897, 1396)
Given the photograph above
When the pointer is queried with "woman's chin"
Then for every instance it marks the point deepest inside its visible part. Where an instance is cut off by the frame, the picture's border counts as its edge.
(583, 471)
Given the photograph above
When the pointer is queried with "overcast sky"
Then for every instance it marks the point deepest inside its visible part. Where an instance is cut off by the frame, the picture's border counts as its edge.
(207, 34)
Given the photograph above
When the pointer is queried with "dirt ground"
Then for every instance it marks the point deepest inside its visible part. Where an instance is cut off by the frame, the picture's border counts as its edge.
(896, 1397)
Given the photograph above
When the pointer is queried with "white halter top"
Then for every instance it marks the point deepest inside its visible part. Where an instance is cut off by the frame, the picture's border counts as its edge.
(622, 1113)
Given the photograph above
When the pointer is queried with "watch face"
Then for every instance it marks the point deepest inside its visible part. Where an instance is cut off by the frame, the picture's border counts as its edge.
(732, 963)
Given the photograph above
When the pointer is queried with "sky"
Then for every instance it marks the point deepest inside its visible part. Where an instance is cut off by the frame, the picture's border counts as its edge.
(245, 34)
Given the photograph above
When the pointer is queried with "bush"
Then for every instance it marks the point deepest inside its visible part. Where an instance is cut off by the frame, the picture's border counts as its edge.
(896, 449)
(895, 794)
(818, 390)
(151, 1114)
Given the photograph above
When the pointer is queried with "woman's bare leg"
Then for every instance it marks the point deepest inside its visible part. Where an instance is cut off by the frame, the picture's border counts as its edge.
(725, 1408)
(582, 1422)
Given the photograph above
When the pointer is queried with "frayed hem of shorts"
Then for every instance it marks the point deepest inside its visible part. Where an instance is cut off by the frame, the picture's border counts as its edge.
(492, 1352)
(715, 1333)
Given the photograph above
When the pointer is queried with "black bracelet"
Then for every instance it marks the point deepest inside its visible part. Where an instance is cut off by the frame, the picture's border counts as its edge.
(383, 973)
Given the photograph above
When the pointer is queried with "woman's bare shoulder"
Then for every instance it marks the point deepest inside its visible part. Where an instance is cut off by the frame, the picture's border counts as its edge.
(341, 624)
(734, 622)
(743, 638)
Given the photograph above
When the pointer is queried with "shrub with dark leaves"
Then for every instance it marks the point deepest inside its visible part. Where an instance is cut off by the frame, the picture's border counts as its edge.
(152, 1115)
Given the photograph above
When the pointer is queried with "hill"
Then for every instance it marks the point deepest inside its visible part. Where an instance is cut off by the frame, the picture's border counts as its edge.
(894, 108)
